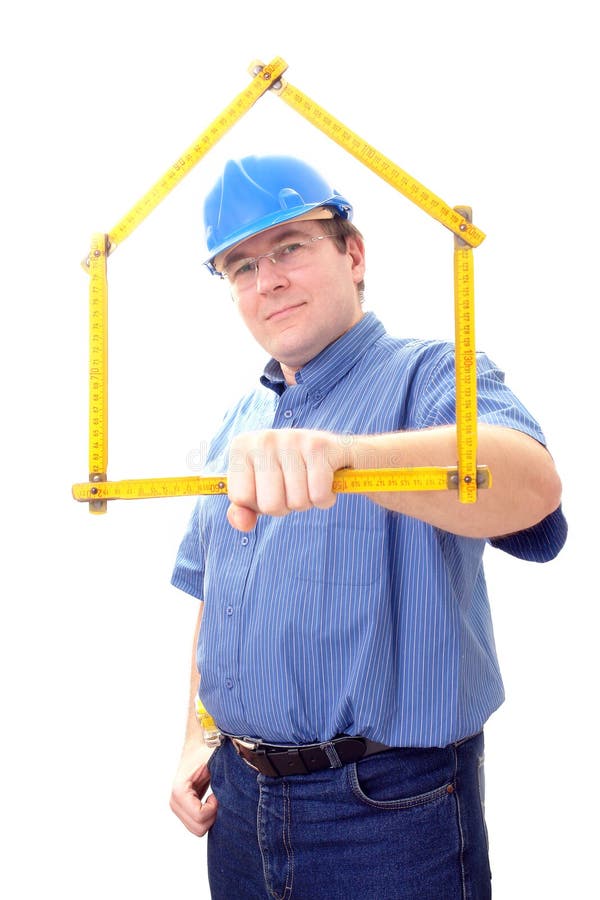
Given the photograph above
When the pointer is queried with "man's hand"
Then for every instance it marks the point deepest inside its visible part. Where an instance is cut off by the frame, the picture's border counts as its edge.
(191, 784)
(280, 471)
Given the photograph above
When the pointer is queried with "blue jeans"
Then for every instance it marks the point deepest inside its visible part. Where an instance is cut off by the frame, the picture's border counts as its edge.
(406, 824)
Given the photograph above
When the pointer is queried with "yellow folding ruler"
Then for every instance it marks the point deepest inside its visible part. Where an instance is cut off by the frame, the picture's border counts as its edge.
(467, 477)
(345, 481)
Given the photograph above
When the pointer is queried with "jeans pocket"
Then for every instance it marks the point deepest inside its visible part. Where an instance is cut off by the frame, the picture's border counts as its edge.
(400, 779)
(212, 761)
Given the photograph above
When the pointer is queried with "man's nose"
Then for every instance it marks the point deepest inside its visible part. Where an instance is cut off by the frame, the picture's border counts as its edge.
(269, 274)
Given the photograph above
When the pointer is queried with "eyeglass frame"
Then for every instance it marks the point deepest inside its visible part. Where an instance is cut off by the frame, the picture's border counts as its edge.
(272, 255)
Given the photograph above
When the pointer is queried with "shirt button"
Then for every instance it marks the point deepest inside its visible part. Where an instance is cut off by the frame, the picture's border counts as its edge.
(228, 683)
(288, 414)
(244, 541)
(229, 610)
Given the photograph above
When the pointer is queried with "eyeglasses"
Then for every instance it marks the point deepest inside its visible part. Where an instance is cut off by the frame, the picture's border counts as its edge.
(242, 272)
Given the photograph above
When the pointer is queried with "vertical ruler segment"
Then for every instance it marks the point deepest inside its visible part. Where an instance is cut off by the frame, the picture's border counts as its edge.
(466, 367)
(98, 387)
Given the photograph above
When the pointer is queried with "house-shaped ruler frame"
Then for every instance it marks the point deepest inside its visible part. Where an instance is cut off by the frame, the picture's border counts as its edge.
(467, 477)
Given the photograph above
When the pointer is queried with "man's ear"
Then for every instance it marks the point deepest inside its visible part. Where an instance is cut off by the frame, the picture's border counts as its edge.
(356, 249)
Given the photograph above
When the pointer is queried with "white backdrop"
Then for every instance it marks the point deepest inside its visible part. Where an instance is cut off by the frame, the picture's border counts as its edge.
(488, 104)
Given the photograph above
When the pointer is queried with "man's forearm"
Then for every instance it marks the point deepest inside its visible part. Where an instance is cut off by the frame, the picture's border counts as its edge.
(278, 471)
(525, 485)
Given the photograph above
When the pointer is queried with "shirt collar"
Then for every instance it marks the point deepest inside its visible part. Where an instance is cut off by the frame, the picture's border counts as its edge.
(321, 373)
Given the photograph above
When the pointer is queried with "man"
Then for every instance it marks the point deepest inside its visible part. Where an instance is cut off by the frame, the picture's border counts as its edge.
(346, 651)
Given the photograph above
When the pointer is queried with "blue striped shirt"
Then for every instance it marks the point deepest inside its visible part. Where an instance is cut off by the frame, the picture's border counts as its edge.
(355, 619)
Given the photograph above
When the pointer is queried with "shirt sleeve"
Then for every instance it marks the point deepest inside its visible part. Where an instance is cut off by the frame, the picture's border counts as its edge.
(188, 574)
(496, 403)
(540, 543)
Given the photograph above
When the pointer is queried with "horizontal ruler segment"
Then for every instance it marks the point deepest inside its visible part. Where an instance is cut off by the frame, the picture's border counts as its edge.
(345, 481)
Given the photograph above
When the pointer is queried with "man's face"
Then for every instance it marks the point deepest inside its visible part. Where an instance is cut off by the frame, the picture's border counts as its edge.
(295, 310)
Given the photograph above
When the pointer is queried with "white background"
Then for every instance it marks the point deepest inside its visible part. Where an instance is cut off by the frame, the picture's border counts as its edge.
(491, 104)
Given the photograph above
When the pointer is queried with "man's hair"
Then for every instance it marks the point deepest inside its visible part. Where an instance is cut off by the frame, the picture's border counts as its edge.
(342, 229)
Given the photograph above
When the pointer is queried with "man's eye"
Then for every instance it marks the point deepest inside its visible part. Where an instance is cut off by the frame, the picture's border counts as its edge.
(244, 268)
(290, 249)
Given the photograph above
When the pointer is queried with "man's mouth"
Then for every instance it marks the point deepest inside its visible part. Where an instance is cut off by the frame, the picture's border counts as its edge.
(283, 311)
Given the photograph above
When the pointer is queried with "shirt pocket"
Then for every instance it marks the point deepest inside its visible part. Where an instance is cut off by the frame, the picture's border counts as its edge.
(345, 546)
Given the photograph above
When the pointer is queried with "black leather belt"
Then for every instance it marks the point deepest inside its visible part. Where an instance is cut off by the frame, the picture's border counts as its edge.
(279, 760)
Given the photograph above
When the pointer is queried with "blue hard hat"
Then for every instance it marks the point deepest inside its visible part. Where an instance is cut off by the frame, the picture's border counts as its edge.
(257, 192)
